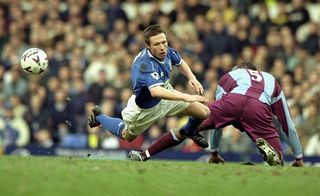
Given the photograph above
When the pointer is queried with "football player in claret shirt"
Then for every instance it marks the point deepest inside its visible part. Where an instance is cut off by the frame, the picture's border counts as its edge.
(245, 80)
(248, 99)
(155, 98)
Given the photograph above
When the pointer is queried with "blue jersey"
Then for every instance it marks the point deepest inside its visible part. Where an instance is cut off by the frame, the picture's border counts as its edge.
(147, 72)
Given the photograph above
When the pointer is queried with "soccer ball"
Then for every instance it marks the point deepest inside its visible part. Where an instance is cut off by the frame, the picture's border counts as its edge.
(34, 61)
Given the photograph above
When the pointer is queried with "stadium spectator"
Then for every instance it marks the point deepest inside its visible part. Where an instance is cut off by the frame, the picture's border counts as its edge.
(311, 44)
(273, 44)
(14, 130)
(95, 88)
(14, 84)
(299, 15)
(59, 58)
(256, 37)
(115, 12)
(153, 133)
(123, 99)
(281, 18)
(79, 97)
(311, 121)
(154, 97)
(37, 116)
(203, 26)
(18, 108)
(183, 28)
(2, 106)
(62, 118)
(194, 8)
(259, 13)
(52, 88)
(217, 42)
(313, 145)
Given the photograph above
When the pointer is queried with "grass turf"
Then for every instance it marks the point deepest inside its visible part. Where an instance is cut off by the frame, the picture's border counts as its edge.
(76, 176)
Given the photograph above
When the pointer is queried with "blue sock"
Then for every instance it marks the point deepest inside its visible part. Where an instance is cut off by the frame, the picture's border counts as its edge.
(190, 128)
(113, 125)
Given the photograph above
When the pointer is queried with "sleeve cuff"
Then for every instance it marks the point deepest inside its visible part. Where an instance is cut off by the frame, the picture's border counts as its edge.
(154, 85)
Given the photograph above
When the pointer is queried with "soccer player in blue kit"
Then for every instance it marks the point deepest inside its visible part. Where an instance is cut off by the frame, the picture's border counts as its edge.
(155, 98)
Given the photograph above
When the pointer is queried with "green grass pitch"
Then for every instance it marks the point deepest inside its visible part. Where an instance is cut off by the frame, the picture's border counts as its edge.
(79, 176)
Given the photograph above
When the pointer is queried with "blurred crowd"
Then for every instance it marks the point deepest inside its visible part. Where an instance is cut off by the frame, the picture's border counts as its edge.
(92, 43)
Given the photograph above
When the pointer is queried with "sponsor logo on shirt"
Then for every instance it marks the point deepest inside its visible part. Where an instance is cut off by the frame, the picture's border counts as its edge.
(155, 75)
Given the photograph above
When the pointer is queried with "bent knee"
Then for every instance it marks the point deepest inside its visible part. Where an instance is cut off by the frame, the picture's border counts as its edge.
(198, 110)
(206, 112)
(203, 112)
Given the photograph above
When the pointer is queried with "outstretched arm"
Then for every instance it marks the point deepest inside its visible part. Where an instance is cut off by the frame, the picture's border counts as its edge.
(288, 131)
(193, 82)
(215, 140)
(160, 92)
(216, 134)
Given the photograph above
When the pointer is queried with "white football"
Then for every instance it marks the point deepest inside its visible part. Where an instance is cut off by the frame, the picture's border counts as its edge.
(34, 61)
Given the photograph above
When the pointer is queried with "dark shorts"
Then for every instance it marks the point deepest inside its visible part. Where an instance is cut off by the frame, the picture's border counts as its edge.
(245, 113)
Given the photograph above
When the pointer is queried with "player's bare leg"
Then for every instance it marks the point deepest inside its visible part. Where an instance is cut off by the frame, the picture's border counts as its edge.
(197, 112)
(176, 136)
(169, 139)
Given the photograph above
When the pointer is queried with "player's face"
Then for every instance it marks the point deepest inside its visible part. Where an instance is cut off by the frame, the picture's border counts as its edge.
(159, 46)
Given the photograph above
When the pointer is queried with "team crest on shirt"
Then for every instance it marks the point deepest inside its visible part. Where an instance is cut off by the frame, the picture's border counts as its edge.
(155, 75)
(143, 67)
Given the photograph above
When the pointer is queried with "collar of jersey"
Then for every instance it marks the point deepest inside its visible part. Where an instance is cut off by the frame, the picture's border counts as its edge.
(150, 55)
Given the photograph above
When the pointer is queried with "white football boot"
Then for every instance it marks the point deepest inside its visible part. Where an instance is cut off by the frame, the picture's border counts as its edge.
(268, 152)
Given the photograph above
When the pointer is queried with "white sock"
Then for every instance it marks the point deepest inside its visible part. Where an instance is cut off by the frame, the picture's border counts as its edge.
(174, 135)
(147, 153)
